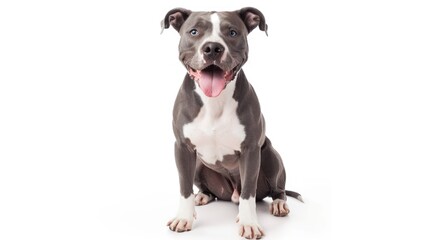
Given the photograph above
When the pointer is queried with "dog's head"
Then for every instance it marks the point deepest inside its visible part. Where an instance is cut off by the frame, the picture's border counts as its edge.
(213, 45)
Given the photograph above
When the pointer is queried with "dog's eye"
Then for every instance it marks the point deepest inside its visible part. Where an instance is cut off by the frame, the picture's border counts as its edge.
(194, 32)
(233, 33)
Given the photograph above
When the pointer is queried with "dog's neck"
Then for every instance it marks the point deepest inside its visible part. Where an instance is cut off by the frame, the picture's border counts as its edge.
(215, 106)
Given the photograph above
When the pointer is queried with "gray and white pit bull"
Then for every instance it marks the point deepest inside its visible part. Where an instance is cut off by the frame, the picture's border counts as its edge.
(221, 145)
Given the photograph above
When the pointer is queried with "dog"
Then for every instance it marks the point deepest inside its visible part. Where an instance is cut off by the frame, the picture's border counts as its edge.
(221, 145)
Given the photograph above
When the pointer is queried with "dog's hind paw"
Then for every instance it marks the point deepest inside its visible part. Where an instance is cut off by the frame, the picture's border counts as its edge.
(279, 208)
(203, 199)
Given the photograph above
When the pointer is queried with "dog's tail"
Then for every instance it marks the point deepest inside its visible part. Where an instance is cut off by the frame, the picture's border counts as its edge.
(294, 195)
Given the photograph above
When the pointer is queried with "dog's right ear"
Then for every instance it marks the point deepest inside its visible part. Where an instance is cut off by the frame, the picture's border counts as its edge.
(175, 17)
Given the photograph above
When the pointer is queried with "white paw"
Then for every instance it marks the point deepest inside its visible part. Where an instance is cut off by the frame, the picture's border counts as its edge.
(247, 220)
(180, 225)
(203, 199)
(250, 231)
(185, 215)
(279, 208)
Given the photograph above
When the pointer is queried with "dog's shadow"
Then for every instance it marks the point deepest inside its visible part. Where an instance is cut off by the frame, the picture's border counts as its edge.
(219, 213)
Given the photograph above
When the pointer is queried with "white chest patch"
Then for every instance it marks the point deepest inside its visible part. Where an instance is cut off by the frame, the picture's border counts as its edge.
(216, 131)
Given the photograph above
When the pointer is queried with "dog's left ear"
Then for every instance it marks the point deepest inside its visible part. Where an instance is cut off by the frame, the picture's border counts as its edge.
(252, 18)
(175, 17)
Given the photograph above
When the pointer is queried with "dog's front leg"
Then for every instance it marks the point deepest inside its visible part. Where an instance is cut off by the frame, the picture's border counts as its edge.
(250, 162)
(185, 162)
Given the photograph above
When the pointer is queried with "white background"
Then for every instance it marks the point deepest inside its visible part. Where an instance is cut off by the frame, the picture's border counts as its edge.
(87, 89)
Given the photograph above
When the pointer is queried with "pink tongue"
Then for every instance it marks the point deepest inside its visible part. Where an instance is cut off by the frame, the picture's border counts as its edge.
(212, 82)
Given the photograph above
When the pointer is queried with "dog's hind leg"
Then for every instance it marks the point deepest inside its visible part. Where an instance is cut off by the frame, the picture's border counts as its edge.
(273, 169)
(211, 185)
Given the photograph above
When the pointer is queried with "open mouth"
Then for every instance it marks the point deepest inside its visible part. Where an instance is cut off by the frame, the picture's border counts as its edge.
(212, 79)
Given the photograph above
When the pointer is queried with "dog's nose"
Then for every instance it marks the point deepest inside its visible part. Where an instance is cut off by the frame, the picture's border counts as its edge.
(212, 50)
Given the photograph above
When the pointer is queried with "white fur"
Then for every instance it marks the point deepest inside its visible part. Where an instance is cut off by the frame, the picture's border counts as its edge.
(247, 212)
(186, 208)
(216, 131)
(185, 215)
(203, 199)
(247, 220)
(214, 37)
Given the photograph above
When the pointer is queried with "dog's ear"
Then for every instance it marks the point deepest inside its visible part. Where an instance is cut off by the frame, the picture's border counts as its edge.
(252, 18)
(175, 17)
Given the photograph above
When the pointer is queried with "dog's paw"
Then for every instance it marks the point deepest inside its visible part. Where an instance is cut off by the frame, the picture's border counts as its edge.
(203, 199)
(250, 231)
(235, 197)
(180, 225)
(279, 208)
(185, 215)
